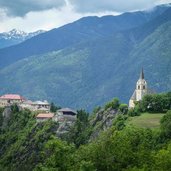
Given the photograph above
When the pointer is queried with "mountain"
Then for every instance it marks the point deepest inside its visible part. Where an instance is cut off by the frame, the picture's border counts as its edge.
(85, 29)
(15, 37)
(97, 67)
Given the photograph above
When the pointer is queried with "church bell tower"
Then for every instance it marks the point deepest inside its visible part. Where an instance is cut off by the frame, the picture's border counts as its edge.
(140, 91)
(141, 87)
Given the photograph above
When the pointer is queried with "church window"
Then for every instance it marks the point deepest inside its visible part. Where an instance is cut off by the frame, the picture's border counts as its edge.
(138, 87)
(144, 87)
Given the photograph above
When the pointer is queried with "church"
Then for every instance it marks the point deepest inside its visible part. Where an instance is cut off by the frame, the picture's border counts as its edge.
(140, 91)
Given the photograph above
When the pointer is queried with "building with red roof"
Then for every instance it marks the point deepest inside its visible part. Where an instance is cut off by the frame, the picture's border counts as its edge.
(44, 117)
(9, 99)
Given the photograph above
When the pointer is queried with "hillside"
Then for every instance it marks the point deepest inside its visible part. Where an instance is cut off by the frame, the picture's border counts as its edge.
(91, 72)
(146, 120)
(103, 141)
(79, 31)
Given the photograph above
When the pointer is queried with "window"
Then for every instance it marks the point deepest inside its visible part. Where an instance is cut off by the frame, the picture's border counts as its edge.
(138, 87)
(144, 87)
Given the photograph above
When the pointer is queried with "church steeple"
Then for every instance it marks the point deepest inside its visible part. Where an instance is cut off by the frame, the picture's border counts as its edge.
(140, 90)
(142, 74)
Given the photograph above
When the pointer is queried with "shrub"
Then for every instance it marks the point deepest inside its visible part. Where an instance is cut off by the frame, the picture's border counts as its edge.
(123, 108)
(166, 124)
(133, 112)
(114, 104)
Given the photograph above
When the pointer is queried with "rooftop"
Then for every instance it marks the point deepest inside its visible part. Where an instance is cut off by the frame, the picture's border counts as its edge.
(67, 110)
(12, 97)
(45, 115)
(41, 102)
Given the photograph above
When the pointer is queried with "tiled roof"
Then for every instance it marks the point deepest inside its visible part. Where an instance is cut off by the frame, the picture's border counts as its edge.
(45, 115)
(12, 97)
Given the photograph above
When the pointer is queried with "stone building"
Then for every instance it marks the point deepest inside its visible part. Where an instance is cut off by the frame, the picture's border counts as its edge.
(140, 90)
(9, 99)
(66, 114)
(66, 117)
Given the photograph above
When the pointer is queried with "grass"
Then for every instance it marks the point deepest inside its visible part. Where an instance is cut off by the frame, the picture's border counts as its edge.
(146, 120)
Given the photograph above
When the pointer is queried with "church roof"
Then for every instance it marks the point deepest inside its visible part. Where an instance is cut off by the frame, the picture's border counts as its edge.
(142, 74)
(133, 97)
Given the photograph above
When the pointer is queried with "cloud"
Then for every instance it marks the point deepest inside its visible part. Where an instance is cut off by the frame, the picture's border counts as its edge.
(47, 14)
(113, 5)
(22, 7)
(33, 21)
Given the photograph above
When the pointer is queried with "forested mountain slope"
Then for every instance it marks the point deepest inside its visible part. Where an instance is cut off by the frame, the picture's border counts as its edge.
(91, 72)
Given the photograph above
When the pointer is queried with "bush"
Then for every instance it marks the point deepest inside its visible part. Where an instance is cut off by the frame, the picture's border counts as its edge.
(133, 112)
(156, 102)
(119, 122)
(123, 108)
(114, 104)
(166, 125)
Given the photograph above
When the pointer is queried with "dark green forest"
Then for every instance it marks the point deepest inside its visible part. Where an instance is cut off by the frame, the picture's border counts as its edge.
(27, 145)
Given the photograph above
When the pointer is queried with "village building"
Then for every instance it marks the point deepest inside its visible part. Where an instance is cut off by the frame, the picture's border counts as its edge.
(66, 117)
(27, 105)
(66, 114)
(140, 90)
(41, 106)
(9, 99)
(41, 117)
(36, 106)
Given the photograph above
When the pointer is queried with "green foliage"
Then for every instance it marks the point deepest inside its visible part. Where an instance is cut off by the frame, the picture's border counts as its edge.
(156, 102)
(81, 130)
(166, 124)
(123, 108)
(118, 150)
(146, 120)
(1, 117)
(87, 166)
(119, 122)
(57, 154)
(162, 159)
(21, 141)
(54, 108)
(96, 109)
(15, 108)
(133, 112)
(114, 104)
(27, 145)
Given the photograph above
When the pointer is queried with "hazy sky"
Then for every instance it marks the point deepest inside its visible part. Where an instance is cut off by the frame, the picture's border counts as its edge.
(31, 15)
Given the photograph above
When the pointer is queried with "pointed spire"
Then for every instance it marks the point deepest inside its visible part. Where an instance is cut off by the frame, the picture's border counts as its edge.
(142, 74)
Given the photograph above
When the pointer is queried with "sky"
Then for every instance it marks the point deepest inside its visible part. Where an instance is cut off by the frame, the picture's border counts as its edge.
(32, 15)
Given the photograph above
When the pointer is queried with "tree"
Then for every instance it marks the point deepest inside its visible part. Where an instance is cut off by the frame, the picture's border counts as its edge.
(163, 159)
(54, 108)
(156, 102)
(14, 108)
(123, 108)
(114, 104)
(81, 130)
(119, 122)
(166, 124)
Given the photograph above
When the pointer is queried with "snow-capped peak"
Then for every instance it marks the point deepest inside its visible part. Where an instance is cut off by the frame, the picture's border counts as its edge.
(18, 34)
